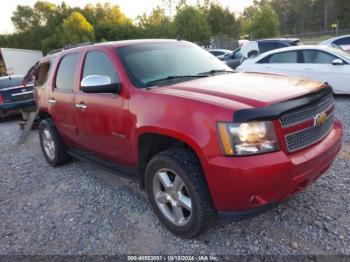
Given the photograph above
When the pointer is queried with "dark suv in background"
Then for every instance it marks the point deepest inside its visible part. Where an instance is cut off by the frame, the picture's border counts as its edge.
(234, 60)
(14, 95)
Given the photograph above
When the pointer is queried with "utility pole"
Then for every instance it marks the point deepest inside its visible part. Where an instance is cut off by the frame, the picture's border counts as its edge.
(325, 15)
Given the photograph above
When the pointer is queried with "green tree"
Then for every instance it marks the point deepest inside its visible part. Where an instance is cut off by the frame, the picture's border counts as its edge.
(221, 20)
(342, 9)
(262, 23)
(76, 29)
(156, 25)
(190, 24)
(109, 22)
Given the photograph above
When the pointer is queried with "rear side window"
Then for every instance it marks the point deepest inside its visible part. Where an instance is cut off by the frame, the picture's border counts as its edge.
(343, 41)
(317, 57)
(265, 47)
(284, 58)
(97, 63)
(66, 74)
(280, 45)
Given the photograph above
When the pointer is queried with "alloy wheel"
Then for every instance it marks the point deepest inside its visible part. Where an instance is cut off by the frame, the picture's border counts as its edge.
(48, 144)
(172, 197)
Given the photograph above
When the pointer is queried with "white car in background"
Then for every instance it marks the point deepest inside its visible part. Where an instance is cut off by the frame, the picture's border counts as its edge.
(322, 63)
(220, 53)
(341, 41)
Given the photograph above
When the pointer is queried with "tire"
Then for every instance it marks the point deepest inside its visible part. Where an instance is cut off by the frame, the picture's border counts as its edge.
(198, 213)
(55, 152)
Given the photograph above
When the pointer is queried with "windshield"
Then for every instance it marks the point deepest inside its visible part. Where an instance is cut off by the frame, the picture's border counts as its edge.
(341, 53)
(148, 63)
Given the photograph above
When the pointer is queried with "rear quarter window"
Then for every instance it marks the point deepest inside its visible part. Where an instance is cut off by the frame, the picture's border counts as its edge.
(43, 72)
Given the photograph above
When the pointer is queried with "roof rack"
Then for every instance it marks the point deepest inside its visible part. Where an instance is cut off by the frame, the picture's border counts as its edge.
(69, 46)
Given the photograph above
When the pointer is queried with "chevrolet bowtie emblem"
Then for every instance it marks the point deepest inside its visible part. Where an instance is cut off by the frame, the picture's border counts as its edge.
(320, 119)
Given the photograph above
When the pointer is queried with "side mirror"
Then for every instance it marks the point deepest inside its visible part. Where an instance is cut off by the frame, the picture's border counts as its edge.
(337, 62)
(99, 84)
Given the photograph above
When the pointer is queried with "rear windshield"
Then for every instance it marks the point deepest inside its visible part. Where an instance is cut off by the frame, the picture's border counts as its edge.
(148, 62)
(10, 82)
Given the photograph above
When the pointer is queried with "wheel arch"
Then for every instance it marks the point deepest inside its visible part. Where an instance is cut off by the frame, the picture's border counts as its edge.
(151, 141)
(44, 115)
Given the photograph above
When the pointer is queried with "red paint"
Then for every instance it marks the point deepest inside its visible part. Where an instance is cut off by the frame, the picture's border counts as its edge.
(189, 111)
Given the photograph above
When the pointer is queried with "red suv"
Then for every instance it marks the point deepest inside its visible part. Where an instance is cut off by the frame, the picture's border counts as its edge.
(202, 140)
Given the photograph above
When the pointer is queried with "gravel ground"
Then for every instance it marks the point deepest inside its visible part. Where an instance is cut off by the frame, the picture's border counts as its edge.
(80, 209)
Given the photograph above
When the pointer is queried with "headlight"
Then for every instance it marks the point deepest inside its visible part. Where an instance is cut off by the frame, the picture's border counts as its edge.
(247, 138)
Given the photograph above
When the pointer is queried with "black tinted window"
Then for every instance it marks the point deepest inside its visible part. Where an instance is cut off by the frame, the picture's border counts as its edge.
(280, 45)
(97, 63)
(317, 57)
(343, 41)
(66, 74)
(265, 47)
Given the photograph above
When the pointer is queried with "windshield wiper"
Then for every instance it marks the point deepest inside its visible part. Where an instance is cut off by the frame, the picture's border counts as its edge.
(217, 71)
(174, 77)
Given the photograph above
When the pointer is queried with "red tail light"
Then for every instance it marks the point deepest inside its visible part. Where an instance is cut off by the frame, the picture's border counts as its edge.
(1, 99)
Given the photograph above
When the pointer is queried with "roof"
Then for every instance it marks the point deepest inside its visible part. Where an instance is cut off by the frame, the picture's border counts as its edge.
(299, 47)
(115, 44)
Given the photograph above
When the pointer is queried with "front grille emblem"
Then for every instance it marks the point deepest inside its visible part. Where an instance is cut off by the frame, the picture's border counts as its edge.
(320, 119)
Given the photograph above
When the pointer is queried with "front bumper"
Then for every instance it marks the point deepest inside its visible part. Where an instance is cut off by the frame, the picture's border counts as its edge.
(242, 185)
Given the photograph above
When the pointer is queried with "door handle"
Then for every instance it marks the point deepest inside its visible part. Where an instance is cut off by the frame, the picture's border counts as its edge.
(52, 101)
(81, 106)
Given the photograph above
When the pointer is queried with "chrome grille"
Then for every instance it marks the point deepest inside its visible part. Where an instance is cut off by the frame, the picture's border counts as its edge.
(307, 113)
(309, 136)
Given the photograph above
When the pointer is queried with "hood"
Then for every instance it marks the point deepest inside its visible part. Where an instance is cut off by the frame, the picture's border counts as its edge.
(249, 89)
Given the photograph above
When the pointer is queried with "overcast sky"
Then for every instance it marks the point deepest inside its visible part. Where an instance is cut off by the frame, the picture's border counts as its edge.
(131, 8)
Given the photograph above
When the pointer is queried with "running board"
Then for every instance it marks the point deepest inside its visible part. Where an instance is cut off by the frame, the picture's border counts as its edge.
(110, 166)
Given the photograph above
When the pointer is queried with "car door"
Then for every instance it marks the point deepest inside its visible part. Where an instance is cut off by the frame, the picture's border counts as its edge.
(102, 118)
(61, 99)
(284, 63)
(318, 65)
